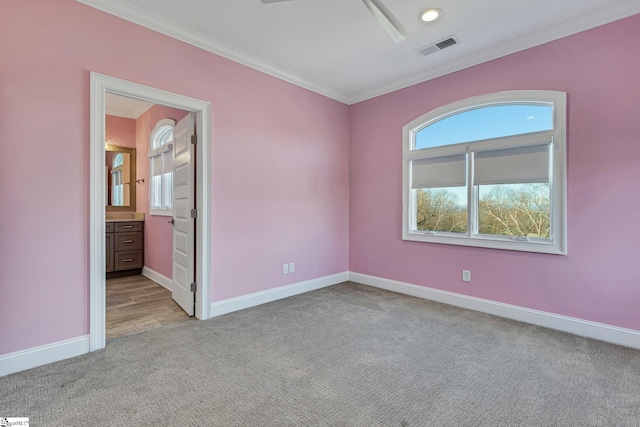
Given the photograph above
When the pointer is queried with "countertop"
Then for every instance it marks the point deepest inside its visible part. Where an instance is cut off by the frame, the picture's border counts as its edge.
(124, 216)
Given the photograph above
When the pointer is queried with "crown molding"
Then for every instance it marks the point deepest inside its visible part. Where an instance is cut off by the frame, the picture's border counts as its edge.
(119, 112)
(137, 112)
(169, 28)
(127, 114)
(180, 32)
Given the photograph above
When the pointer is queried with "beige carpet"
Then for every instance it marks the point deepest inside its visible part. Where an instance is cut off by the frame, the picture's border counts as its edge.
(347, 355)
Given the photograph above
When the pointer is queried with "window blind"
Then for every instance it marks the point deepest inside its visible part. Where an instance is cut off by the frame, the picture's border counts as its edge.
(161, 188)
(448, 171)
(519, 165)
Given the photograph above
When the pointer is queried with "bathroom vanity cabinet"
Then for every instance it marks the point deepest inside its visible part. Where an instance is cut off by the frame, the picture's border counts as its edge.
(124, 247)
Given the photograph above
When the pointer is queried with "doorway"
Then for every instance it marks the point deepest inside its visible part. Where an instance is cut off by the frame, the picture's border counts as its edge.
(100, 86)
(146, 232)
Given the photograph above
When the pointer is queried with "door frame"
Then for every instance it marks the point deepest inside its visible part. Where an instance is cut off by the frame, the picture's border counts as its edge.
(100, 85)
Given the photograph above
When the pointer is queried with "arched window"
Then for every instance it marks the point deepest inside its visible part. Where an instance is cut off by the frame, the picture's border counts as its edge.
(488, 171)
(118, 160)
(161, 168)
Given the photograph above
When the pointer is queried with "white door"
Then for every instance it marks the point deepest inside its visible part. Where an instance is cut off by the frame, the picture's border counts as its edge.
(184, 225)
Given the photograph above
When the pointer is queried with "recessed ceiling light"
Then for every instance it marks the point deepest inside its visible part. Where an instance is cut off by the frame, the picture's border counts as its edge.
(430, 15)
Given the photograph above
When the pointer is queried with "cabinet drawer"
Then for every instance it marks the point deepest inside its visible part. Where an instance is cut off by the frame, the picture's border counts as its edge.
(128, 260)
(127, 226)
(128, 241)
(109, 227)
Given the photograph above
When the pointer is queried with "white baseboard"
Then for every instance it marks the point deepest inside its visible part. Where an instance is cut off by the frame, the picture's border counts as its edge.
(219, 308)
(42, 355)
(160, 279)
(572, 325)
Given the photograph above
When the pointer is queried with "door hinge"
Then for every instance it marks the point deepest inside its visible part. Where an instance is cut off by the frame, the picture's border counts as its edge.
(194, 286)
(194, 139)
(194, 213)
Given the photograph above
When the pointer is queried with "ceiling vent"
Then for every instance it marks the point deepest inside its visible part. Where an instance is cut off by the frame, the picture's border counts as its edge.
(435, 47)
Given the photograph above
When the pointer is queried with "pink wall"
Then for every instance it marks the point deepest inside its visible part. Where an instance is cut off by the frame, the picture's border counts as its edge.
(280, 164)
(158, 233)
(599, 279)
(283, 186)
(120, 131)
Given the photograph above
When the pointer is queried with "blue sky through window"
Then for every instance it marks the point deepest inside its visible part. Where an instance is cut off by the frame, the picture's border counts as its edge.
(485, 123)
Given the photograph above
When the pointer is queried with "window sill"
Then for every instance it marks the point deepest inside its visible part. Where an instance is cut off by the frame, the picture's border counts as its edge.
(545, 247)
(161, 212)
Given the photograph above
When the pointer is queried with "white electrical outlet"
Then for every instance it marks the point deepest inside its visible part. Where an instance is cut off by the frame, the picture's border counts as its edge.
(466, 275)
(285, 268)
(292, 267)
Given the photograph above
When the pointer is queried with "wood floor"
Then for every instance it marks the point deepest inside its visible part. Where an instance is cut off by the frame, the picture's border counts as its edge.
(136, 304)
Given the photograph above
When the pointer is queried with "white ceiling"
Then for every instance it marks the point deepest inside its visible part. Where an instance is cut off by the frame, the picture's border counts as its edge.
(123, 106)
(337, 48)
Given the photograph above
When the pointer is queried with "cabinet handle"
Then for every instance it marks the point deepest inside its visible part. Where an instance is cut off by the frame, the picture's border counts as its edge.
(127, 241)
(127, 226)
(127, 260)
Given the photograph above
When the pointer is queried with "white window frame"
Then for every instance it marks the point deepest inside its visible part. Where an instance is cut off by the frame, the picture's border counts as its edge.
(557, 243)
(155, 151)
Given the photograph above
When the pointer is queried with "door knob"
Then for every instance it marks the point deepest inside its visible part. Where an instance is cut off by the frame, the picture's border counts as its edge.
(171, 222)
